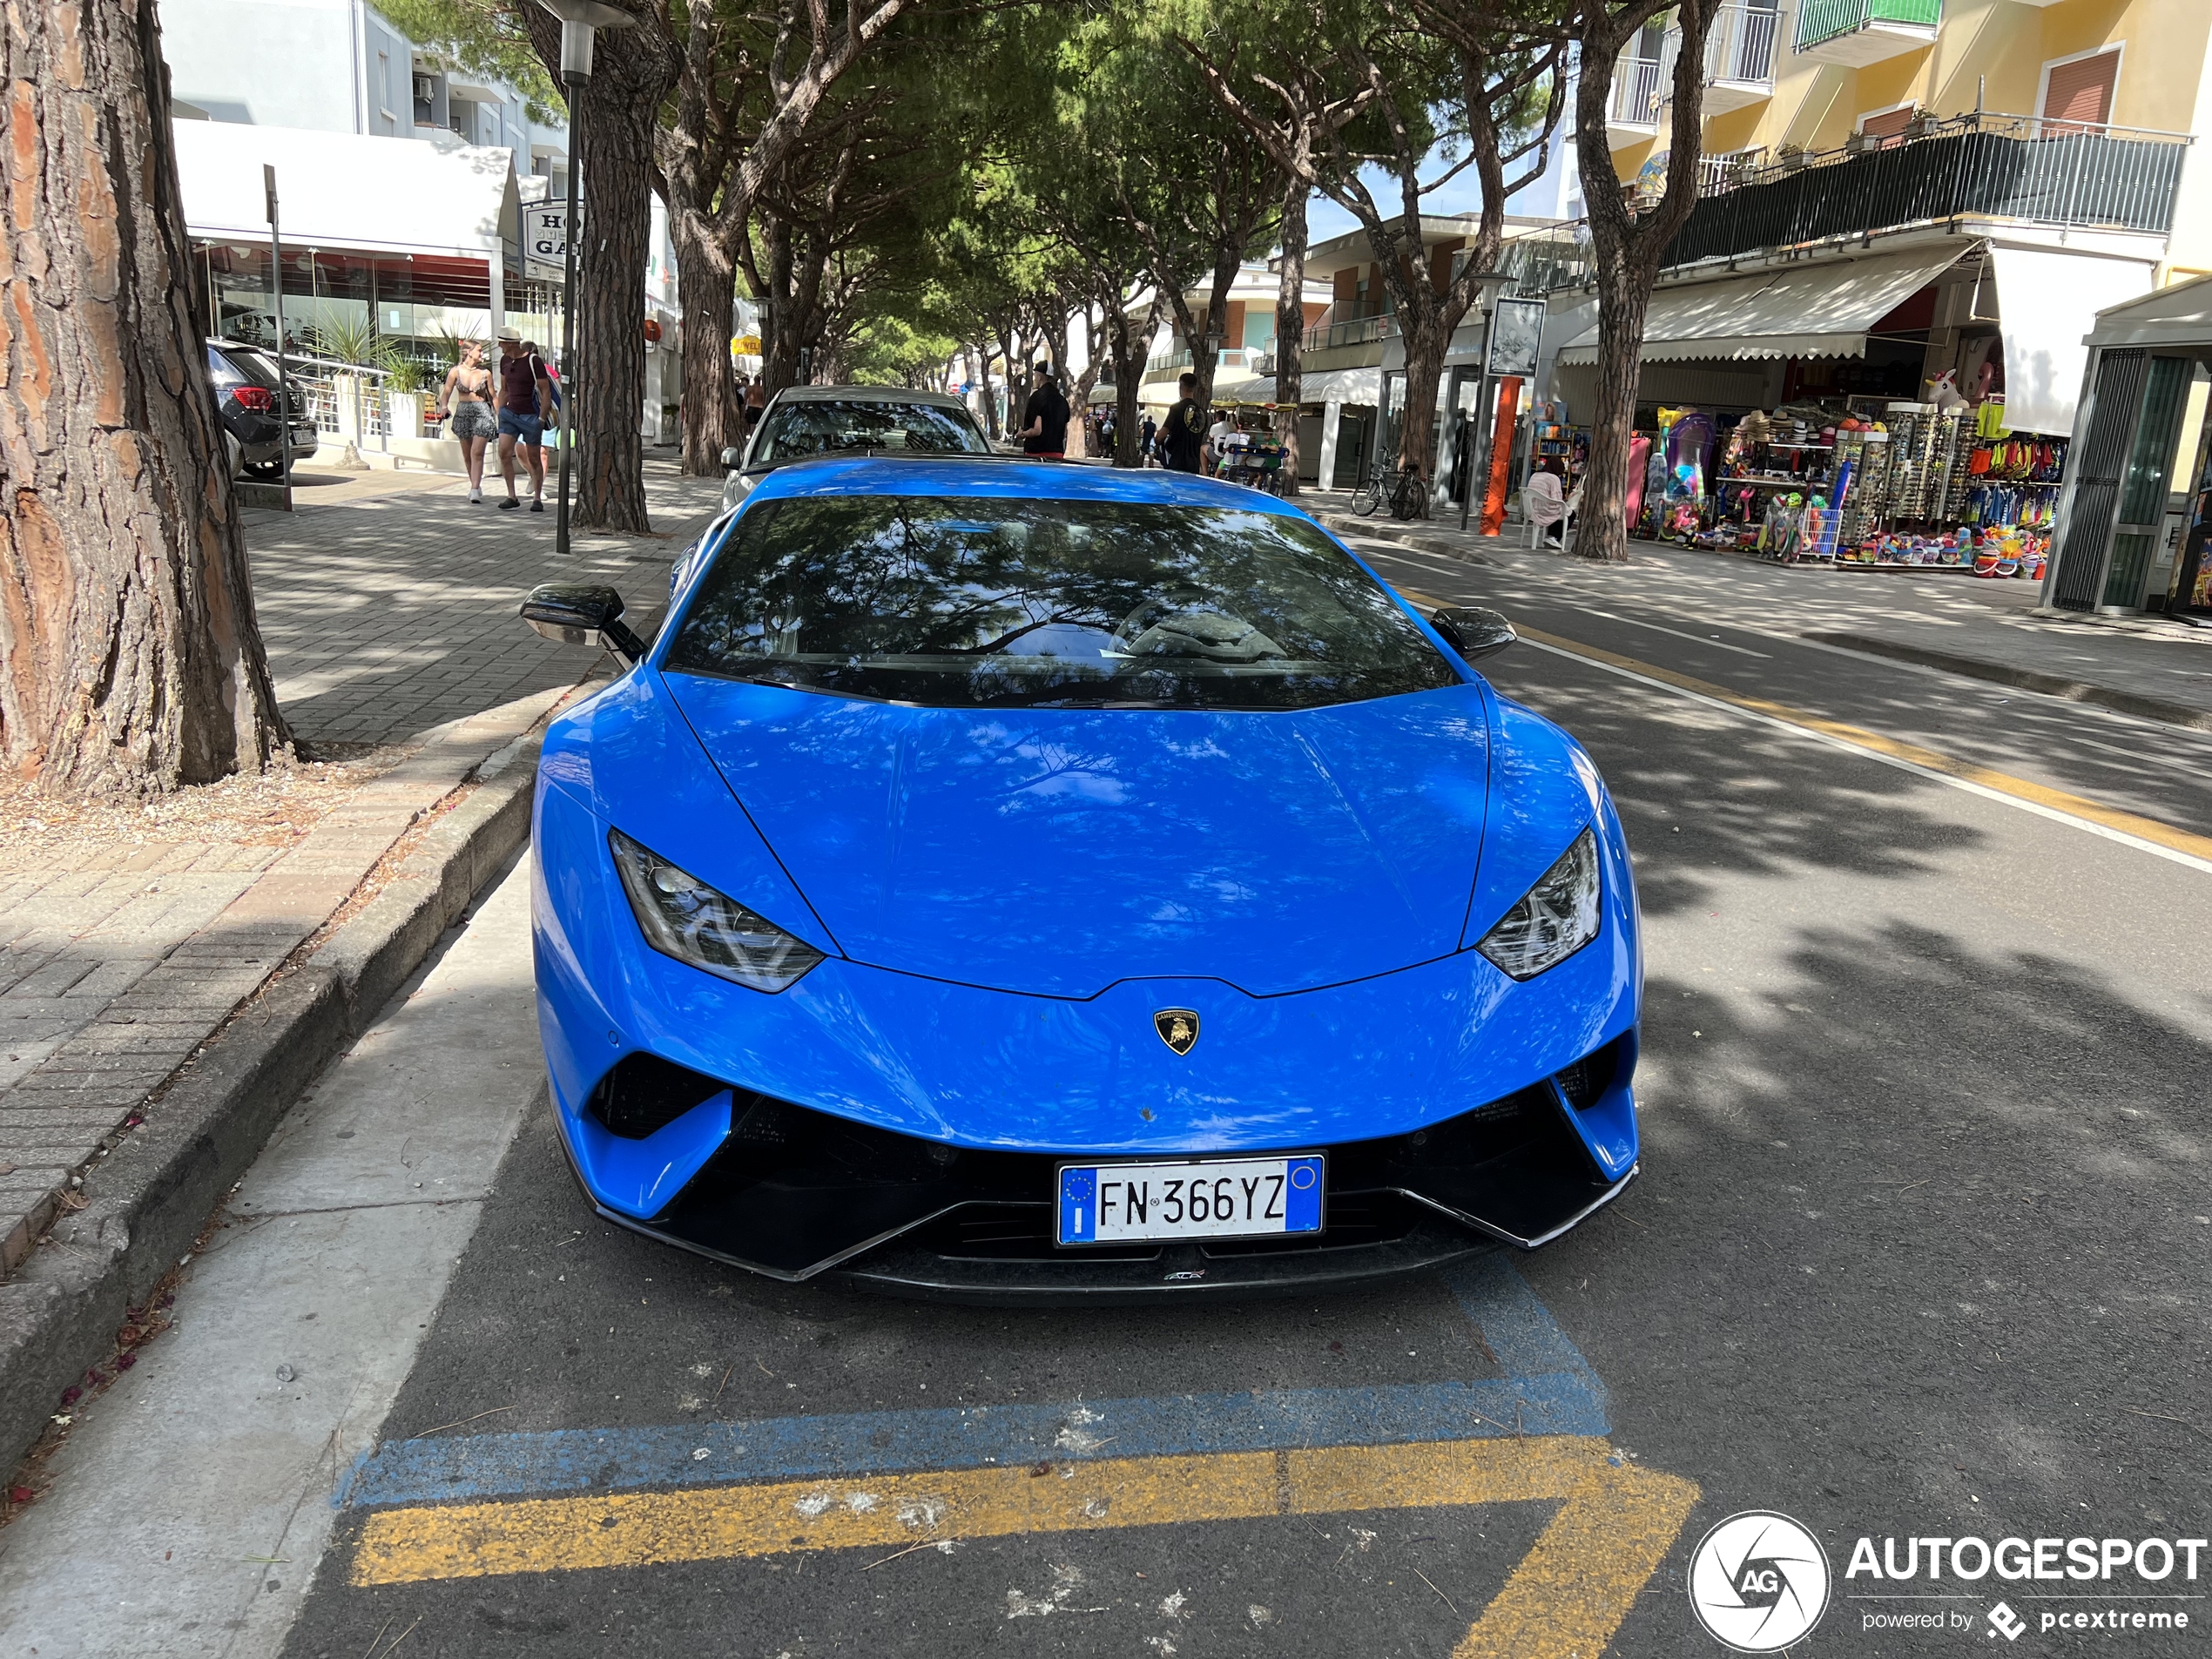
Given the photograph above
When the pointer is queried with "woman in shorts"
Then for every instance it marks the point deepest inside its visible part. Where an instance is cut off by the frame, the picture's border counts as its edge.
(466, 394)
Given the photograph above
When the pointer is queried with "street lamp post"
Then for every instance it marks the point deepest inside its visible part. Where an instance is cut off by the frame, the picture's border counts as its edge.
(581, 20)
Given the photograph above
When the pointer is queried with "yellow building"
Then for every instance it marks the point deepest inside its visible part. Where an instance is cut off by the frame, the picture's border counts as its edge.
(1895, 191)
(1808, 76)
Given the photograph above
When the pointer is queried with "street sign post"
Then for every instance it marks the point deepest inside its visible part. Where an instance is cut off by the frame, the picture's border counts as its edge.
(545, 240)
(285, 413)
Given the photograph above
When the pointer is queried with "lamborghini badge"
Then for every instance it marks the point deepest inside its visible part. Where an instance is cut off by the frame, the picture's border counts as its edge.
(1178, 1029)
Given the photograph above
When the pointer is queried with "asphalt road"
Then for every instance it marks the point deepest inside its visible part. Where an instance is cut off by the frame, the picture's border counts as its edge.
(1920, 1248)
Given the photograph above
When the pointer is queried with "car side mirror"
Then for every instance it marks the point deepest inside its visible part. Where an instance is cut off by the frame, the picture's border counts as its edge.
(732, 459)
(1473, 631)
(577, 615)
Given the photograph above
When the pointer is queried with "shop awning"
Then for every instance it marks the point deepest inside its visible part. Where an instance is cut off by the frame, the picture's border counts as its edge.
(2047, 301)
(1811, 310)
(2180, 314)
(1360, 387)
(341, 189)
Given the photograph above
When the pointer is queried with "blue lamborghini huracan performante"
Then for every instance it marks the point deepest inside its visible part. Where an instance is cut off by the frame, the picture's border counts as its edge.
(1005, 880)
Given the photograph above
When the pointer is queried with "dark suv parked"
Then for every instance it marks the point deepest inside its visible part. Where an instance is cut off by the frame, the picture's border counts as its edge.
(247, 398)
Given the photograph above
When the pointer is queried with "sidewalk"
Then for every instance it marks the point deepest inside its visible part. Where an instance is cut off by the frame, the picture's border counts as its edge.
(131, 935)
(390, 614)
(2153, 667)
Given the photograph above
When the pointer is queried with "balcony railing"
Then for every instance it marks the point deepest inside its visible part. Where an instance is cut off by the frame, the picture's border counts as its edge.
(1353, 328)
(1819, 20)
(1982, 166)
(1639, 88)
(1539, 265)
(1741, 46)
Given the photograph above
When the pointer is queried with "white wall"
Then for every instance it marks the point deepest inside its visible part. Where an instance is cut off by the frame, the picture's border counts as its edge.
(328, 65)
(267, 63)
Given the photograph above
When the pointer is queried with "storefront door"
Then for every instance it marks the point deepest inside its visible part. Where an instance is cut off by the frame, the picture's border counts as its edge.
(2116, 400)
(2142, 516)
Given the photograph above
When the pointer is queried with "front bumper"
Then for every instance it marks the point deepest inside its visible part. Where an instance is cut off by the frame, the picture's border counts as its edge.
(793, 1193)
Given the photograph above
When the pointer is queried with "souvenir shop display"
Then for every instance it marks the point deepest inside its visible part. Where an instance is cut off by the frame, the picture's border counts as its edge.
(1551, 438)
(1938, 484)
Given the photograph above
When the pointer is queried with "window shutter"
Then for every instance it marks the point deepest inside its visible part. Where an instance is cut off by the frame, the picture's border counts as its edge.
(2082, 91)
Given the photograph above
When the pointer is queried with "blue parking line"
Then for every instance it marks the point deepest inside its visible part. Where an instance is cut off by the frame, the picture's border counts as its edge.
(1550, 1390)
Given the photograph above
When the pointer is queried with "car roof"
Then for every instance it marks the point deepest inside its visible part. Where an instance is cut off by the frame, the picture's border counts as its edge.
(868, 395)
(1006, 476)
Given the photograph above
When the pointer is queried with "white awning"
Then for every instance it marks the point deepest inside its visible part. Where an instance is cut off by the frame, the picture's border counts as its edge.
(1360, 388)
(340, 190)
(2047, 301)
(2179, 314)
(1811, 310)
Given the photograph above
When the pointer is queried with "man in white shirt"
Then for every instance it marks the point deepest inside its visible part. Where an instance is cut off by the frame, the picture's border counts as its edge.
(1215, 434)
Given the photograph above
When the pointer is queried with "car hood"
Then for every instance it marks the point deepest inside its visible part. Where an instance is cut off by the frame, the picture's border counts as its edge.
(1058, 850)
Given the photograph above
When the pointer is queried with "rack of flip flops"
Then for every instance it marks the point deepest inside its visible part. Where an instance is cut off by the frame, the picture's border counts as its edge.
(2014, 481)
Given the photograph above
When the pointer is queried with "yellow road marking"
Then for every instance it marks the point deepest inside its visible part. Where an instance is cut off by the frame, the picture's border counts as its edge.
(2002, 783)
(1615, 1523)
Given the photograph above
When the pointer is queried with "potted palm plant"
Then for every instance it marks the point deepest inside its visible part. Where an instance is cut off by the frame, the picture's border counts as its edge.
(404, 383)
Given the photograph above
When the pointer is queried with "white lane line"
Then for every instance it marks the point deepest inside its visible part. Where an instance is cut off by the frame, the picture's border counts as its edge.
(1694, 639)
(2042, 703)
(2041, 811)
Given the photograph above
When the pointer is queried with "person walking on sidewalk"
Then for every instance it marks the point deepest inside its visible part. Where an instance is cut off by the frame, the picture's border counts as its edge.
(1046, 436)
(466, 400)
(1182, 440)
(525, 395)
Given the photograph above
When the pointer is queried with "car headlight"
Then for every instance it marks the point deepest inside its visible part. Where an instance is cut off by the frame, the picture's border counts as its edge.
(1553, 920)
(683, 917)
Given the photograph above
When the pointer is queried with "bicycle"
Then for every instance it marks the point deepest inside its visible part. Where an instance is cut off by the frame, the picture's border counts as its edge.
(1409, 499)
(1367, 494)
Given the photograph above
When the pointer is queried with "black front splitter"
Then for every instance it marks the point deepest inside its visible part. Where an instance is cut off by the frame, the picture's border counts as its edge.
(1176, 1274)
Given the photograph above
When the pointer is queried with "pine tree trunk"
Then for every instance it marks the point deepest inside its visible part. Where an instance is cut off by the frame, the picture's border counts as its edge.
(1426, 341)
(632, 72)
(132, 660)
(1626, 249)
(1290, 332)
(617, 146)
(1128, 368)
(707, 281)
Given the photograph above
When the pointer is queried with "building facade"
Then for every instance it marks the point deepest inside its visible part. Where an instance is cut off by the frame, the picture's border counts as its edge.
(412, 248)
(1905, 200)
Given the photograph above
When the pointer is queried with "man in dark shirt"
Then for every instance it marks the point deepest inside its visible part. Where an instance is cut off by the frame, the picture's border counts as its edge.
(525, 395)
(1046, 436)
(1184, 436)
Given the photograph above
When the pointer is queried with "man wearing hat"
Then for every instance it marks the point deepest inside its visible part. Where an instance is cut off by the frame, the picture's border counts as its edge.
(1046, 436)
(525, 395)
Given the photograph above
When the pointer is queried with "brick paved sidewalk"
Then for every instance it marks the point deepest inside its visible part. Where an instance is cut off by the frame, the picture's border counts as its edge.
(385, 618)
(1986, 629)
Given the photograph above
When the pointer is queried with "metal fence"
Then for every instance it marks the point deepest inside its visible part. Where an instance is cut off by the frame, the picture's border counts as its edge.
(1996, 167)
(1353, 329)
(1741, 45)
(1819, 20)
(1639, 88)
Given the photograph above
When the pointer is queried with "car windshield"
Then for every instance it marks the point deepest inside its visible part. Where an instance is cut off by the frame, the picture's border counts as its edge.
(807, 427)
(971, 603)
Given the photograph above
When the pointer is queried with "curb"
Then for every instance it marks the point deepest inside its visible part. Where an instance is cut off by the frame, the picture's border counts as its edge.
(2026, 679)
(1388, 530)
(154, 1193)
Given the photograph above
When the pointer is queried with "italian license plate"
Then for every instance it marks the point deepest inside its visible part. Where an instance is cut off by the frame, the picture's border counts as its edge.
(1102, 1203)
